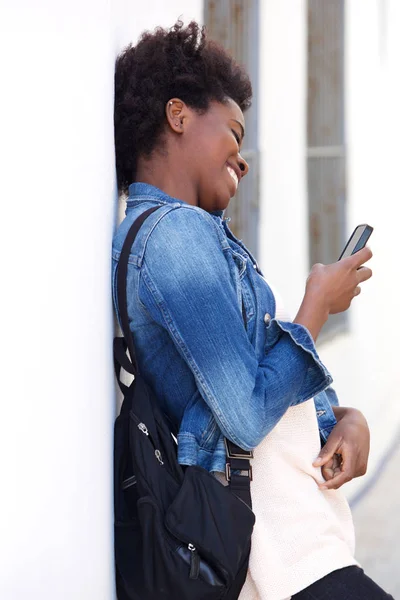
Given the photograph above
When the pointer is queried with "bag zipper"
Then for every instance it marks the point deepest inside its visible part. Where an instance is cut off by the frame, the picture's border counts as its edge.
(194, 562)
(215, 565)
(194, 557)
(143, 428)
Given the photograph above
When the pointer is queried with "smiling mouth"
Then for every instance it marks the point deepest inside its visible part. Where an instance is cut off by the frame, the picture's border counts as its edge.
(233, 175)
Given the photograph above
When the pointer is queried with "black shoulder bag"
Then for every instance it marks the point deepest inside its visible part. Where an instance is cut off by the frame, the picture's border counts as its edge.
(179, 533)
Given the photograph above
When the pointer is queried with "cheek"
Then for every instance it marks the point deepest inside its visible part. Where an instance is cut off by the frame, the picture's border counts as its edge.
(215, 142)
(217, 154)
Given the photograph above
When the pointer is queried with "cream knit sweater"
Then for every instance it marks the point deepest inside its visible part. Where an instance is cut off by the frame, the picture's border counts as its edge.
(301, 533)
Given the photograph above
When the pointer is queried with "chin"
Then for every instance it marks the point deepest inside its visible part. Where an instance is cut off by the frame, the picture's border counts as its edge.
(224, 199)
(222, 204)
(215, 202)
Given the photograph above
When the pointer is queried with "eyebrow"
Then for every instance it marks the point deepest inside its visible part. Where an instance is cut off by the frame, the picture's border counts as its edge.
(241, 126)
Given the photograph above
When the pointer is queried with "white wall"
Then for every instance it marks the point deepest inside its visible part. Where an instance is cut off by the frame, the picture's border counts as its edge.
(57, 218)
(363, 361)
(58, 210)
(282, 104)
(133, 17)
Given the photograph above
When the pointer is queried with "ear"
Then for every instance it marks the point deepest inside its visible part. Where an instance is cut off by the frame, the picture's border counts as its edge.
(176, 112)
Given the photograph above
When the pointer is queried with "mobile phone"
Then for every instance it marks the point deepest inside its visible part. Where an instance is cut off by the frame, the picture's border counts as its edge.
(357, 240)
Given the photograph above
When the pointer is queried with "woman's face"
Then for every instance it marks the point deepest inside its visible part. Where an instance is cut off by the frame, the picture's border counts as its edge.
(210, 150)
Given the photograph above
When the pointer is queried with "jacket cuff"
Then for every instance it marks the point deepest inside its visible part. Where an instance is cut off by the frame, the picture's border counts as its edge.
(317, 377)
(332, 396)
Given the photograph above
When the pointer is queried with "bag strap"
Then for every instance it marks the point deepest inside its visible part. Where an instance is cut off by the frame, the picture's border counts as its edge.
(238, 469)
(122, 272)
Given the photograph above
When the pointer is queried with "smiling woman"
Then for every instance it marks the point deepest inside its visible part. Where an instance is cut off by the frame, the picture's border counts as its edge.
(226, 363)
(214, 137)
(176, 95)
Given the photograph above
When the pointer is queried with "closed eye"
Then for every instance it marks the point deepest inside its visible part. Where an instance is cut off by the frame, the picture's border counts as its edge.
(237, 138)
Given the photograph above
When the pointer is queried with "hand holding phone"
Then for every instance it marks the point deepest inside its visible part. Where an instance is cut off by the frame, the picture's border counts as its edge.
(331, 288)
(357, 240)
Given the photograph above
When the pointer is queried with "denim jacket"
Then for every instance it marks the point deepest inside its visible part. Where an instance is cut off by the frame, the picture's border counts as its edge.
(207, 342)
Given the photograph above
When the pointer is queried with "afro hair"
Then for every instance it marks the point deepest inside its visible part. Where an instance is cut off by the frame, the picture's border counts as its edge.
(178, 62)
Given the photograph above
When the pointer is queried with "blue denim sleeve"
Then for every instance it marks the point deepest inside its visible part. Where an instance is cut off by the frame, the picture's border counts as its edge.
(332, 396)
(325, 415)
(186, 285)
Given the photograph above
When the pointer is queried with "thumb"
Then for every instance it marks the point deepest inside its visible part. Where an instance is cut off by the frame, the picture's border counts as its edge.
(328, 451)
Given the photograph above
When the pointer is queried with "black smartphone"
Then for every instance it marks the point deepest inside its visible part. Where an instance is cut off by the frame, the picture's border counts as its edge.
(357, 240)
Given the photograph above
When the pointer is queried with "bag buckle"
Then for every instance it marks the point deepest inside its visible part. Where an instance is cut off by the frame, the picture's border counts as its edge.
(248, 472)
(233, 451)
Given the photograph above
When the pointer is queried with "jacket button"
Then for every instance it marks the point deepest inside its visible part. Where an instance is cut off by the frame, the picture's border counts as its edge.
(267, 318)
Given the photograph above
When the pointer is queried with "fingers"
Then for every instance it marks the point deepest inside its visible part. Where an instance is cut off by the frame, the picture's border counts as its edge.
(336, 482)
(340, 476)
(360, 257)
(346, 473)
(363, 273)
(332, 468)
(331, 448)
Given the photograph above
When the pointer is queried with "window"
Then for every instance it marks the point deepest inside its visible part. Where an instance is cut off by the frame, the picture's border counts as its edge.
(234, 24)
(326, 154)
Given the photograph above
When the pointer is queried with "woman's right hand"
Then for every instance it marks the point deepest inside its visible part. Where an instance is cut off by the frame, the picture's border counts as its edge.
(331, 288)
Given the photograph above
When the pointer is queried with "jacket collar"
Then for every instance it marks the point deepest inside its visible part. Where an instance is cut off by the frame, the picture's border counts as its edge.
(142, 192)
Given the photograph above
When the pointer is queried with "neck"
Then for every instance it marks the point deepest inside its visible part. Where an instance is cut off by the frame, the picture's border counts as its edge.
(172, 179)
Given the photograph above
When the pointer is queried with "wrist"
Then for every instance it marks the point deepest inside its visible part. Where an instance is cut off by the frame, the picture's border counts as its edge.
(316, 299)
(349, 413)
(312, 313)
(340, 412)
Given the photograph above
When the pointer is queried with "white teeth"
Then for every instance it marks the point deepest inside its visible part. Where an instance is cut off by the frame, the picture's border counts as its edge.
(233, 175)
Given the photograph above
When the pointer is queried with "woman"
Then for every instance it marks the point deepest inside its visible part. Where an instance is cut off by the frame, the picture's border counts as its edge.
(212, 337)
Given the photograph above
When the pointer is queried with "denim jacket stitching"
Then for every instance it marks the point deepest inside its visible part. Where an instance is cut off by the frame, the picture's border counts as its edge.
(185, 352)
(248, 304)
(242, 261)
(208, 434)
(176, 205)
(245, 286)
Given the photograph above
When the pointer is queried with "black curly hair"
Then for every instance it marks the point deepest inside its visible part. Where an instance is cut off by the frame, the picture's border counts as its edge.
(180, 62)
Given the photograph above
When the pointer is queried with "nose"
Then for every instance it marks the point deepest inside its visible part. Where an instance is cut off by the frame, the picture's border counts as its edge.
(243, 166)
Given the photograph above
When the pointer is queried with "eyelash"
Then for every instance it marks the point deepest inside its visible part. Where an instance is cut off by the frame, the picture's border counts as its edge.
(237, 138)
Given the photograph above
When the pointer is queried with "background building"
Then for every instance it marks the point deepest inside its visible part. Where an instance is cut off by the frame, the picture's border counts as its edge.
(323, 144)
